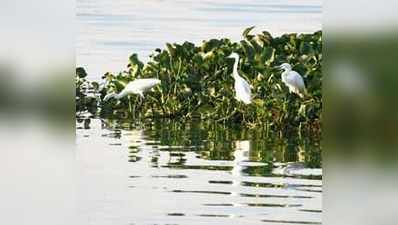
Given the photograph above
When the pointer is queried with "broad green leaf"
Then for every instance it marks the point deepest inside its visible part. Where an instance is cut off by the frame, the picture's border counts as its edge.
(246, 32)
(81, 72)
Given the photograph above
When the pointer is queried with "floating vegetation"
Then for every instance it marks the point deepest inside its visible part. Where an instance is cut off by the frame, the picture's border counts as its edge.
(86, 100)
(196, 83)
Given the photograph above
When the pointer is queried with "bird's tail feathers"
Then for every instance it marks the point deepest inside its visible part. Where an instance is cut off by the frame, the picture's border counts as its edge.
(244, 100)
(247, 101)
(303, 93)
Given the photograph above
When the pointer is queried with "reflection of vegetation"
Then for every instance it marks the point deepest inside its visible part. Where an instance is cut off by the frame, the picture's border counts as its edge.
(215, 141)
(197, 83)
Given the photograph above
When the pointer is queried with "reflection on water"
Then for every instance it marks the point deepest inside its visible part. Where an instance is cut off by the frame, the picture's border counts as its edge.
(195, 173)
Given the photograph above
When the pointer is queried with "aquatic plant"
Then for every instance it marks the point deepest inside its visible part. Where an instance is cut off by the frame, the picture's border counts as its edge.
(197, 83)
(85, 97)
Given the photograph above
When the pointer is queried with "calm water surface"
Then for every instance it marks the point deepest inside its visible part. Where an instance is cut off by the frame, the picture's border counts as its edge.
(194, 173)
(170, 173)
(109, 31)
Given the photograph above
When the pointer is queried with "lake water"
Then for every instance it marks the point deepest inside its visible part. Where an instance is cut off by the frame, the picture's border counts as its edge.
(194, 173)
(109, 31)
(171, 173)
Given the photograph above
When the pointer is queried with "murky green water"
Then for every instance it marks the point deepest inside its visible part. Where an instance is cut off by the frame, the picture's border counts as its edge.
(195, 173)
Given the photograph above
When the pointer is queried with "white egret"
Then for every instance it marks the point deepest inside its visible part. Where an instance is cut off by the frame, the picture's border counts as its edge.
(242, 88)
(293, 80)
(138, 86)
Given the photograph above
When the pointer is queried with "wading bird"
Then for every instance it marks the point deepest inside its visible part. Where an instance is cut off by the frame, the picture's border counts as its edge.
(138, 87)
(293, 80)
(242, 88)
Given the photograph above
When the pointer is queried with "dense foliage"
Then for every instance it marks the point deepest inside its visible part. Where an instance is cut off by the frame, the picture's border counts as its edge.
(85, 97)
(197, 83)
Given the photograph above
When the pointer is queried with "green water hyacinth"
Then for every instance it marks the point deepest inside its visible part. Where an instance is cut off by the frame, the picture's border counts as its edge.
(196, 82)
(85, 97)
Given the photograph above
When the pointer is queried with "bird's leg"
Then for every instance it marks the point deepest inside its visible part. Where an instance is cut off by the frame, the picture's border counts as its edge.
(129, 99)
(131, 108)
(141, 95)
(134, 111)
(141, 98)
(153, 111)
(239, 108)
(243, 115)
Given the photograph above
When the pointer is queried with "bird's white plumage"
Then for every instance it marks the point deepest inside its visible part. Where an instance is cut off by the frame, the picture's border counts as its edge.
(293, 80)
(242, 87)
(243, 91)
(138, 86)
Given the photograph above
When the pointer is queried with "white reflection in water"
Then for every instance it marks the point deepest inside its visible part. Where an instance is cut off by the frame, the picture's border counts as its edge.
(136, 137)
(141, 181)
(241, 155)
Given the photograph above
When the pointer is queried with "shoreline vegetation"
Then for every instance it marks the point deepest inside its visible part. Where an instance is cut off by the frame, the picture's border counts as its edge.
(197, 84)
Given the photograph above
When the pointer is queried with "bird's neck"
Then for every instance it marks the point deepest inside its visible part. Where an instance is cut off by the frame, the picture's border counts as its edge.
(120, 95)
(235, 71)
(284, 75)
(286, 70)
